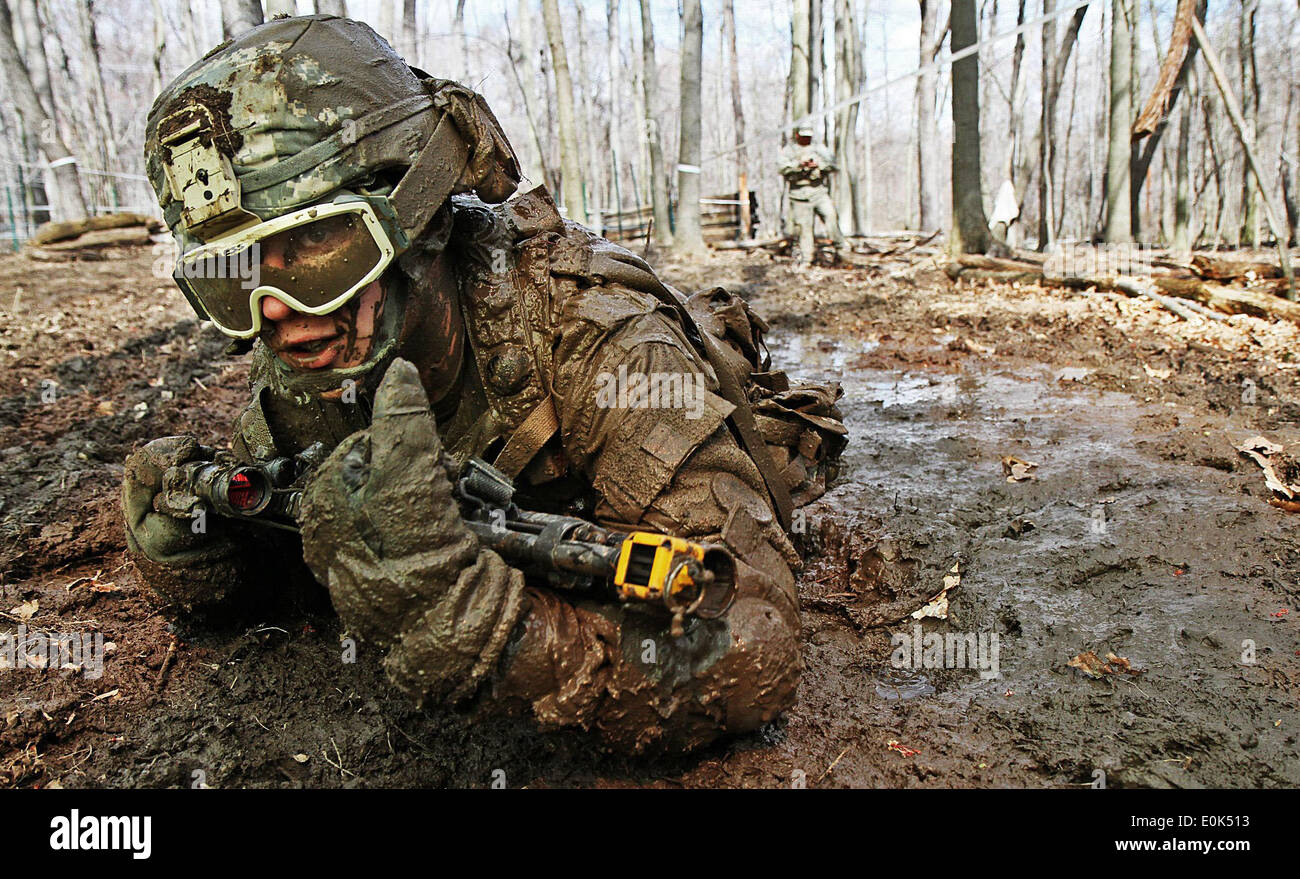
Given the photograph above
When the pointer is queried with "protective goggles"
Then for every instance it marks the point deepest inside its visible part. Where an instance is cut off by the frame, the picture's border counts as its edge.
(313, 260)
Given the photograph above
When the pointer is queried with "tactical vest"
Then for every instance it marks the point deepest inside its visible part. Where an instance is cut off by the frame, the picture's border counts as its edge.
(507, 258)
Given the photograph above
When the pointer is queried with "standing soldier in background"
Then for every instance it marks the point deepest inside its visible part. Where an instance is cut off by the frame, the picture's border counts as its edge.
(807, 169)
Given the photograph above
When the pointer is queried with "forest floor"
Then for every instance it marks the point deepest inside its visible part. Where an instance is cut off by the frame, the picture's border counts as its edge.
(1143, 533)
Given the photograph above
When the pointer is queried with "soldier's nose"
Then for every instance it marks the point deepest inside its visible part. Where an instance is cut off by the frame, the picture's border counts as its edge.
(275, 310)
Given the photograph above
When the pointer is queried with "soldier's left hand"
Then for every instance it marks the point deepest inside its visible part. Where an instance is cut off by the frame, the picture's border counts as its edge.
(381, 506)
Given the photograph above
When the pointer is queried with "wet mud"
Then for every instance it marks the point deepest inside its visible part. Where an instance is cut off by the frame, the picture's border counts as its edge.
(1142, 533)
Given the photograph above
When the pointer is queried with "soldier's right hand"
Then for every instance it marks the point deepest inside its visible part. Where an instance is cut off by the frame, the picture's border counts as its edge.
(162, 538)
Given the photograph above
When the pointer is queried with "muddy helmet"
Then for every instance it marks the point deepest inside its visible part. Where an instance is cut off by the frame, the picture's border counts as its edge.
(301, 107)
(298, 110)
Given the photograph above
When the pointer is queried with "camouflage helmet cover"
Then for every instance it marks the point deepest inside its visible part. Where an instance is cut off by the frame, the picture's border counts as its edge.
(302, 107)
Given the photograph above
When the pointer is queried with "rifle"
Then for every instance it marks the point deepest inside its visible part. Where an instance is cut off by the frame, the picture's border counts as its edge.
(638, 567)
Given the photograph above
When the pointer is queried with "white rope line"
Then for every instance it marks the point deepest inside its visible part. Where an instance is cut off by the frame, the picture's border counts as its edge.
(937, 64)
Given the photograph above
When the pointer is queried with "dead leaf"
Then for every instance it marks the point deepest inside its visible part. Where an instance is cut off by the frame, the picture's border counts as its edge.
(1261, 451)
(937, 607)
(1088, 663)
(26, 610)
(301, 758)
(109, 695)
(1016, 470)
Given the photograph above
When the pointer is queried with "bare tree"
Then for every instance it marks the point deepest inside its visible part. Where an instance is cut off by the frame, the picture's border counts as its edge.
(1174, 71)
(927, 123)
(570, 159)
(524, 66)
(103, 122)
(689, 237)
(332, 7)
(616, 92)
(62, 164)
(591, 165)
(1248, 147)
(462, 42)
(1182, 240)
(849, 79)
(970, 229)
(800, 59)
(238, 16)
(663, 233)
(1056, 59)
(1249, 112)
(1119, 224)
(737, 113)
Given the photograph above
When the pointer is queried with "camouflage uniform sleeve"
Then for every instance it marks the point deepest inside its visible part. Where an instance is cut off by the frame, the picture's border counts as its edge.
(789, 162)
(678, 469)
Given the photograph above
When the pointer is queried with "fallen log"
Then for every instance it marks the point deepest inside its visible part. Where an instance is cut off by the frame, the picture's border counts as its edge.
(117, 237)
(1216, 269)
(67, 229)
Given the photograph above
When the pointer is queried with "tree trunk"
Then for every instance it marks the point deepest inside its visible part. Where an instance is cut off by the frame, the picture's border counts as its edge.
(411, 33)
(159, 47)
(70, 205)
(970, 228)
(591, 167)
(927, 126)
(689, 235)
(462, 42)
(332, 7)
(1250, 112)
(238, 16)
(800, 60)
(663, 232)
(816, 63)
(1182, 242)
(1119, 216)
(524, 67)
(616, 92)
(862, 206)
(848, 78)
(38, 67)
(1248, 147)
(1174, 71)
(738, 116)
(570, 158)
(103, 121)
(1044, 146)
(1016, 102)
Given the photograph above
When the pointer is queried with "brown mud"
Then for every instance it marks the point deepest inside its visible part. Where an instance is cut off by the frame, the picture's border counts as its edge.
(1144, 534)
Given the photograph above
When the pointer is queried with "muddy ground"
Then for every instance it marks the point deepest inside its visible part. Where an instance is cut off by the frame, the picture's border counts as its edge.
(1144, 534)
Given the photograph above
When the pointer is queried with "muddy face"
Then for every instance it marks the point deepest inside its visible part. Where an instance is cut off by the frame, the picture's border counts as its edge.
(338, 340)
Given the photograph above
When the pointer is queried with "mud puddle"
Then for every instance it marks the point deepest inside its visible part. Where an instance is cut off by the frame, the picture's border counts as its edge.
(1111, 547)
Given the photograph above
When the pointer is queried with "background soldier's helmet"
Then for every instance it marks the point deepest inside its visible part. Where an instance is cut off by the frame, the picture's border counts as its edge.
(297, 108)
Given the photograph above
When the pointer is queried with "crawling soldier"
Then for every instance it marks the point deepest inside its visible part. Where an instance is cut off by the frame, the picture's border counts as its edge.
(410, 314)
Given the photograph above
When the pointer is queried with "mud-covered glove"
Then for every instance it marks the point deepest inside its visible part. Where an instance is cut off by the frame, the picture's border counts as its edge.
(381, 530)
(188, 560)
